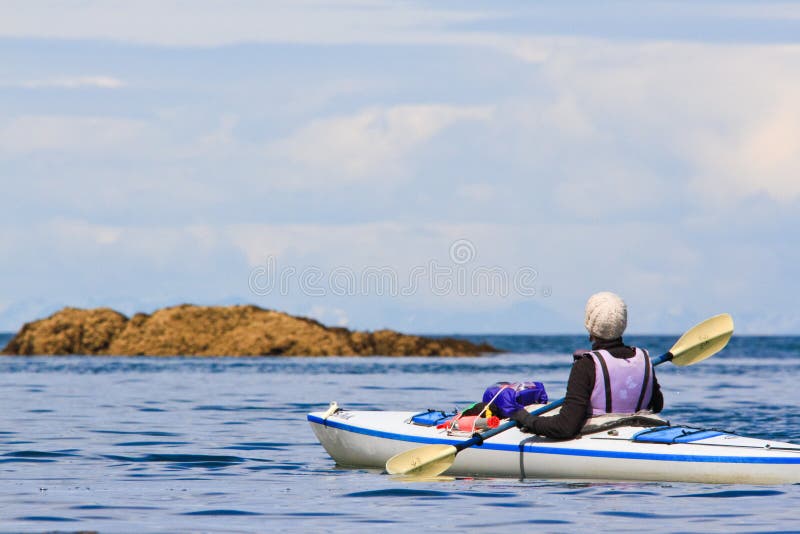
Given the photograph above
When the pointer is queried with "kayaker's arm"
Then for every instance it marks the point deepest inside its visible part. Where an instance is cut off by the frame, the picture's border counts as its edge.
(569, 421)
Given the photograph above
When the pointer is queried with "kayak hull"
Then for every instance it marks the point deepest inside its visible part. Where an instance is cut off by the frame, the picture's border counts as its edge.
(369, 439)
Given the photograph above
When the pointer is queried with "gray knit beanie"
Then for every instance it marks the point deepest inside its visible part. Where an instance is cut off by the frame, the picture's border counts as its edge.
(606, 315)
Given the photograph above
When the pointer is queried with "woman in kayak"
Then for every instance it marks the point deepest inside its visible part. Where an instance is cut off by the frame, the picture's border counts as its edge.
(610, 378)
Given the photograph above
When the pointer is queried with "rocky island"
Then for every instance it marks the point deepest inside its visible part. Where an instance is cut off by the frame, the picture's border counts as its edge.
(217, 331)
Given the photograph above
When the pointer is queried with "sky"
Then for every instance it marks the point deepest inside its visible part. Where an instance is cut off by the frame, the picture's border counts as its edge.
(432, 167)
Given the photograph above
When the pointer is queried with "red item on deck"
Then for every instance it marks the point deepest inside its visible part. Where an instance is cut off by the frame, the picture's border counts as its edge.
(473, 422)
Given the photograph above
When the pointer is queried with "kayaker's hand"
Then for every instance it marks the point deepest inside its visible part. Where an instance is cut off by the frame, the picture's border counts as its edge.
(506, 402)
(524, 421)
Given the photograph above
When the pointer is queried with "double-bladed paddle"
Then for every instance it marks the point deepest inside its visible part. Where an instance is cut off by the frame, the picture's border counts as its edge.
(700, 342)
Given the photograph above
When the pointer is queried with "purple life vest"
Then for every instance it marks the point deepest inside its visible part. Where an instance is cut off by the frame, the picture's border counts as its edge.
(621, 385)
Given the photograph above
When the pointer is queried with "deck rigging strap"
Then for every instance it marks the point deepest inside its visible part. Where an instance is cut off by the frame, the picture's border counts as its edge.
(522, 456)
(694, 443)
(606, 380)
(646, 379)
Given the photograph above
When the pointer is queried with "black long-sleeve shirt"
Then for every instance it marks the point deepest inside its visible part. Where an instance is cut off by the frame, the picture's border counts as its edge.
(569, 421)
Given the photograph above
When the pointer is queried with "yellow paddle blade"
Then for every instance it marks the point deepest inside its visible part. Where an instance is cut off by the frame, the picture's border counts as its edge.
(703, 340)
(425, 461)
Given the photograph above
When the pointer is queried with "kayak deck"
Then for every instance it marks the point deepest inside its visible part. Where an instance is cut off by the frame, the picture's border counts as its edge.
(680, 454)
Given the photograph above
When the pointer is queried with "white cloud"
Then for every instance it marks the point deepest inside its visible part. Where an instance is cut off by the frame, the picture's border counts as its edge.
(528, 50)
(145, 241)
(616, 119)
(557, 252)
(153, 244)
(218, 23)
(332, 243)
(31, 133)
(664, 272)
(84, 232)
(70, 82)
(588, 191)
(579, 132)
(763, 10)
(476, 192)
(214, 23)
(369, 145)
(763, 157)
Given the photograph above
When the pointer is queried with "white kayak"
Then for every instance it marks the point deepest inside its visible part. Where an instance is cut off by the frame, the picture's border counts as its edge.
(643, 449)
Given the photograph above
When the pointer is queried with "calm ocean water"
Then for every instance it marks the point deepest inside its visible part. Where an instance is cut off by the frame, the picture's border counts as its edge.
(222, 445)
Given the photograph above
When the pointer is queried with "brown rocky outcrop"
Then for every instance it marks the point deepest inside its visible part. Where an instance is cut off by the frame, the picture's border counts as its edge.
(217, 331)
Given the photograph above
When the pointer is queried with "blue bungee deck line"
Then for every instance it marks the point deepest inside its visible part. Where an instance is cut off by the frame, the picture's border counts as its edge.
(674, 434)
(538, 449)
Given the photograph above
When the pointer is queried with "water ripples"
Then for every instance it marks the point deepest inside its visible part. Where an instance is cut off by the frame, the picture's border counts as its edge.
(187, 444)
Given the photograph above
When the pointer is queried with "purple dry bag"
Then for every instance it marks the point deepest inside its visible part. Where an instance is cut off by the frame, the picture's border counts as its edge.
(527, 392)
